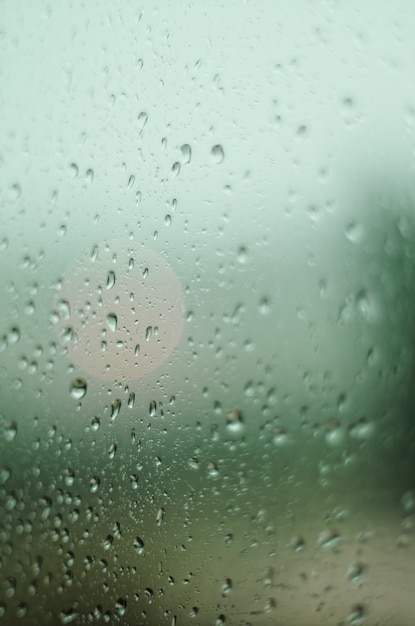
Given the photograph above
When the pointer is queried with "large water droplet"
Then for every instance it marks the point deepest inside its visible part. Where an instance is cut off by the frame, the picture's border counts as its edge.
(112, 321)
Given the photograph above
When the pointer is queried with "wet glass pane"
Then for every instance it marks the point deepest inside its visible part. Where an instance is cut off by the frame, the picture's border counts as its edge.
(207, 248)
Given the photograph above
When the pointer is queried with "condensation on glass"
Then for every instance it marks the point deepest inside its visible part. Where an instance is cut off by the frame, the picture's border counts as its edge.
(207, 248)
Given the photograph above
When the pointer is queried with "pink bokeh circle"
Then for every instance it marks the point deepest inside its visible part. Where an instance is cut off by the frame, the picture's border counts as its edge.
(119, 311)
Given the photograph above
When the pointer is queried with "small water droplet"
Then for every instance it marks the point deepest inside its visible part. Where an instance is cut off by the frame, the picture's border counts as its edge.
(139, 545)
(234, 421)
(15, 191)
(78, 388)
(95, 423)
(160, 516)
(115, 408)
(94, 484)
(142, 119)
(110, 279)
(264, 306)
(152, 408)
(73, 170)
(217, 153)
(176, 168)
(13, 335)
(131, 400)
(186, 151)
(354, 232)
(149, 332)
(242, 255)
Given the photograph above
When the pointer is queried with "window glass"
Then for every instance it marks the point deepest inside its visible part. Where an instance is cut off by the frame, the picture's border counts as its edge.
(207, 248)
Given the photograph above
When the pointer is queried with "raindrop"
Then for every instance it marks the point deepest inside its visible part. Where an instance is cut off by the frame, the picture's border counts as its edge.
(355, 572)
(73, 170)
(121, 606)
(160, 516)
(354, 232)
(115, 409)
(10, 431)
(15, 191)
(69, 476)
(242, 255)
(78, 388)
(234, 422)
(95, 423)
(176, 168)
(142, 119)
(112, 450)
(217, 153)
(186, 151)
(329, 539)
(138, 545)
(152, 408)
(94, 484)
(13, 335)
(110, 279)
(264, 306)
(131, 400)
(112, 321)
(149, 332)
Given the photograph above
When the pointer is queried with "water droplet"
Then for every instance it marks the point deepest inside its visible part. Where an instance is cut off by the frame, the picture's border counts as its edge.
(69, 476)
(90, 176)
(356, 616)
(134, 481)
(329, 539)
(10, 431)
(131, 400)
(264, 306)
(160, 516)
(78, 388)
(354, 232)
(112, 321)
(139, 545)
(94, 484)
(297, 543)
(142, 119)
(95, 423)
(242, 255)
(112, 450)
(176, 168)
(121, 606)
(217, 153)
(73, 170)
(115, 409)
(362, 430)
(186, 151)
(110, 279)
(234, 421)
(408, 501)
(153, 408)
(15, 191)
(5, 473)
(13, 335)
(149, 332)
(355, 572)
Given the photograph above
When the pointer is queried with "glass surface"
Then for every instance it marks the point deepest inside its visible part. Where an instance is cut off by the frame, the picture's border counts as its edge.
(207, 252)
